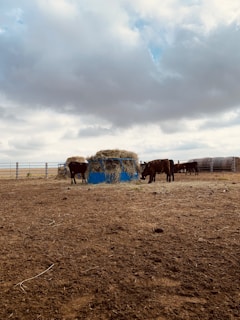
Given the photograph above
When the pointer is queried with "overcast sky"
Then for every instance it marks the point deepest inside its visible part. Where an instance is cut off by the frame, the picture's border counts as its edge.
(159, 78)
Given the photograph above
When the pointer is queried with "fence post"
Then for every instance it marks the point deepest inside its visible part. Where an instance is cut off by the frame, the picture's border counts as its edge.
(16, 170)
(46, 170)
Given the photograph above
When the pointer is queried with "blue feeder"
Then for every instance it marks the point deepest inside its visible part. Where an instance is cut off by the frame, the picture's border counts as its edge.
(112, 170)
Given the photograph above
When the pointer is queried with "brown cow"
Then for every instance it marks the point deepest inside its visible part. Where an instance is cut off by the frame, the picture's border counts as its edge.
(187, 167)
(77, 167)
(157, 166)
(179, 167)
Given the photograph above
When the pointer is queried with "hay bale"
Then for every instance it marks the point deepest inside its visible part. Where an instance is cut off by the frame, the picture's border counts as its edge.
(114, 161)
(114, 153)
(76, 159)
(62, 172)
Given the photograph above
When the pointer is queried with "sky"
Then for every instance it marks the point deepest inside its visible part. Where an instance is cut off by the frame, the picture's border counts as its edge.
(158, 78)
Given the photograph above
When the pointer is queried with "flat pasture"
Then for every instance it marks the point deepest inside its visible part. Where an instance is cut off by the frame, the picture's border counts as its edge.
(27, 172)
(160, 251)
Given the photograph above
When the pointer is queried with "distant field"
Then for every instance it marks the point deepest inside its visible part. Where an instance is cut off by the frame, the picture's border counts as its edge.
(10, 173)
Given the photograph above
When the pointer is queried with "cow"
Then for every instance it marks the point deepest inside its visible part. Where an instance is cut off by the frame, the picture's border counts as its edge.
(157, 166)
(77, 167)
(142, 168)
(179, 167)
(168, 177)
(187, 167)
(191, 167)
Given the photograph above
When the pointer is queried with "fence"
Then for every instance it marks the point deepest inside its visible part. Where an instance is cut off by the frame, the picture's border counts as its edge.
(27, 170)
(219, 164)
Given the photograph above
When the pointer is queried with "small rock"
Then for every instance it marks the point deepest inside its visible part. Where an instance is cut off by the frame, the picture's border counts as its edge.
(158, 230)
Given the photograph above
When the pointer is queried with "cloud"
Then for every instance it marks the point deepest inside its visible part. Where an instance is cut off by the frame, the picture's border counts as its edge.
(225, 120)
(116, 81)
(94, 131)
(101, 71)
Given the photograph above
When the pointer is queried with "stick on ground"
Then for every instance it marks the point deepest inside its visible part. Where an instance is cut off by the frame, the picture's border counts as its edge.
(38, 275)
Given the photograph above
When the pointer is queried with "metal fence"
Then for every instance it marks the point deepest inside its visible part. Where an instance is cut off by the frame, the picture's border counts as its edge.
(218, 164)
(27, 170)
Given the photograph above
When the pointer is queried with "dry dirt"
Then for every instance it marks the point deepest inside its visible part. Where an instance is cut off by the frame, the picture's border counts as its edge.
(125, 251)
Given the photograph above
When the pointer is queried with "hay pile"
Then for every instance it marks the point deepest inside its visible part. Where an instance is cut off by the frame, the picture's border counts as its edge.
(65, 172)
(109, 161)
(62, 172)
(76, 159)
(114, 153)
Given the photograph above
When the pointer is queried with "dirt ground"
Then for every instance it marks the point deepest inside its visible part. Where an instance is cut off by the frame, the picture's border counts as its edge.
(161, 251)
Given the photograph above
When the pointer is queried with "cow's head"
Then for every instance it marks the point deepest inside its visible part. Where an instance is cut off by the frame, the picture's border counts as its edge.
(146, 171)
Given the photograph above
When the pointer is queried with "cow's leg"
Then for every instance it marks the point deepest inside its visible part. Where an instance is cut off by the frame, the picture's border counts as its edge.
(168, 176)
(74, 179)
(151, 177)
(84, 178)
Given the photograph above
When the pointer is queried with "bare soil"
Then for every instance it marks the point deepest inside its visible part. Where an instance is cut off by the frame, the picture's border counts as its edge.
(161, 251)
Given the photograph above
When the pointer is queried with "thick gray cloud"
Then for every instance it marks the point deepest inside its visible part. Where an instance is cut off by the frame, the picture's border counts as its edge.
(117, 66)
(78, 65)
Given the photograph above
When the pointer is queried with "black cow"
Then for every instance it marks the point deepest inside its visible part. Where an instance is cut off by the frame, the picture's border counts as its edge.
(77, 167)
(191, 167)
(187, 167)
(157, 166)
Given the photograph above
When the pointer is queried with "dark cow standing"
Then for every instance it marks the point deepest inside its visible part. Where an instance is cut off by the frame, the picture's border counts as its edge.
(179, 167)
(168, 177)
(191, 167)
(157, 166)
(77, 167)
(187, 167)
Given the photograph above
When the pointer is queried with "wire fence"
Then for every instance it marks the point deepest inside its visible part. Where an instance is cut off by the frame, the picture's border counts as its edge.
(45, 170)
(27, 170)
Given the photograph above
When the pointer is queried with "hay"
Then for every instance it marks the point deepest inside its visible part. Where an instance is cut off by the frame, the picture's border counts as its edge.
(114, 153)
(62, 173)
(109, 161)
(76, 159)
